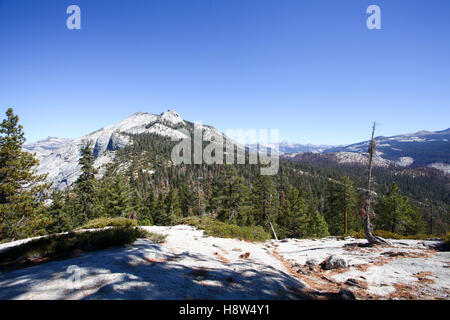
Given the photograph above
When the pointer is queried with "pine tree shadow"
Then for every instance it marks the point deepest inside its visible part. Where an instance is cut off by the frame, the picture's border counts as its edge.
(146, 270)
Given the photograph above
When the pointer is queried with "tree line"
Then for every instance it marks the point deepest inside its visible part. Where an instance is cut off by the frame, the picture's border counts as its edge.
(300, 201)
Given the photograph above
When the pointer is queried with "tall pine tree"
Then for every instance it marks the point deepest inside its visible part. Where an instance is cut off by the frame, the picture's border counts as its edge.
(21, 214)
(293, 215)
(340, 207)
(264, 202)
(118, 198)
(396, 214)
(230, 196)
(86, 186)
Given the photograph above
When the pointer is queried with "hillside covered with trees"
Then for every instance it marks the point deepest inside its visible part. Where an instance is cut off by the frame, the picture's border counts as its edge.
(304, 200)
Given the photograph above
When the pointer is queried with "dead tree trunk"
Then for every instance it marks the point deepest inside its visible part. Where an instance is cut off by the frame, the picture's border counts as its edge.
(273, 230)
(372, 239)
(345, 221)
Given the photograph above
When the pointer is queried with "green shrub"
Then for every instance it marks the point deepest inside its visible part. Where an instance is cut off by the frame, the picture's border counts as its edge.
(145, 222)
(447, 241)
(63, 245)
(220, 229)
(109, 222)
(389, 235)
(156, 237)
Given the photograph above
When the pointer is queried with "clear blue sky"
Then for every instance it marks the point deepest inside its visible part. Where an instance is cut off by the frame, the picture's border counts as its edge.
(308, 67)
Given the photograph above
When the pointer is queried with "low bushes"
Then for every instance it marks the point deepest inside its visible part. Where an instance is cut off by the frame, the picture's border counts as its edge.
(109, 222)
(389, 235)
(67, 244)
(446, 244)
(220, 229)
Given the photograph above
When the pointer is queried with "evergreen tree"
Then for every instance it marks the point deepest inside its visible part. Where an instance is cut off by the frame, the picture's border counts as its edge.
(118, 199)
(21, 215)
(264, 202)
(317, 226)
(59, 213)
(86, 186)
(172, 207)
(394, 213)
(341, 206)
(188, 200)
(292, 219)
(230, 195)
(147, 209)
(161, 217)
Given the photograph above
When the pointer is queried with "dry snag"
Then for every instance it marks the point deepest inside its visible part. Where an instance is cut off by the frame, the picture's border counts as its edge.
(372, 239)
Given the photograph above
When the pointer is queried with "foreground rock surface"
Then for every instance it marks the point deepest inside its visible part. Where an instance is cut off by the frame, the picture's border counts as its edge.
(190, 265)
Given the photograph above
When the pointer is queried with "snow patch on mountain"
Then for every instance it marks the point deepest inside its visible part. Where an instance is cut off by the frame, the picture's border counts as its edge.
(361, 158)
(405, 161)
(411, 149)
(287, 148)
(59, 157)
(162, 130)
(45, 147)
(102, 162)
(441, 166)
(172, 118)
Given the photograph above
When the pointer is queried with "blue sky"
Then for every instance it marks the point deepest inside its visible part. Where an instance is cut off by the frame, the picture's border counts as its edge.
(308, 67)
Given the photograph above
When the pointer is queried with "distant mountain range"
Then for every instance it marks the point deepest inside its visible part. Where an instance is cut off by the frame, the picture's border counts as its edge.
(286, 147)
(423, 148)
(59, 157)
(420, 149)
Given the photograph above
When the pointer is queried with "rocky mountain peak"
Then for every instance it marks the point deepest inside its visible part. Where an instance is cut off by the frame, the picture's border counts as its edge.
(171, 117)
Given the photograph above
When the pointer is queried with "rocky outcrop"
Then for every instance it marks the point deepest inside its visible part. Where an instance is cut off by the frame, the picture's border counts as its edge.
(334, 262)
